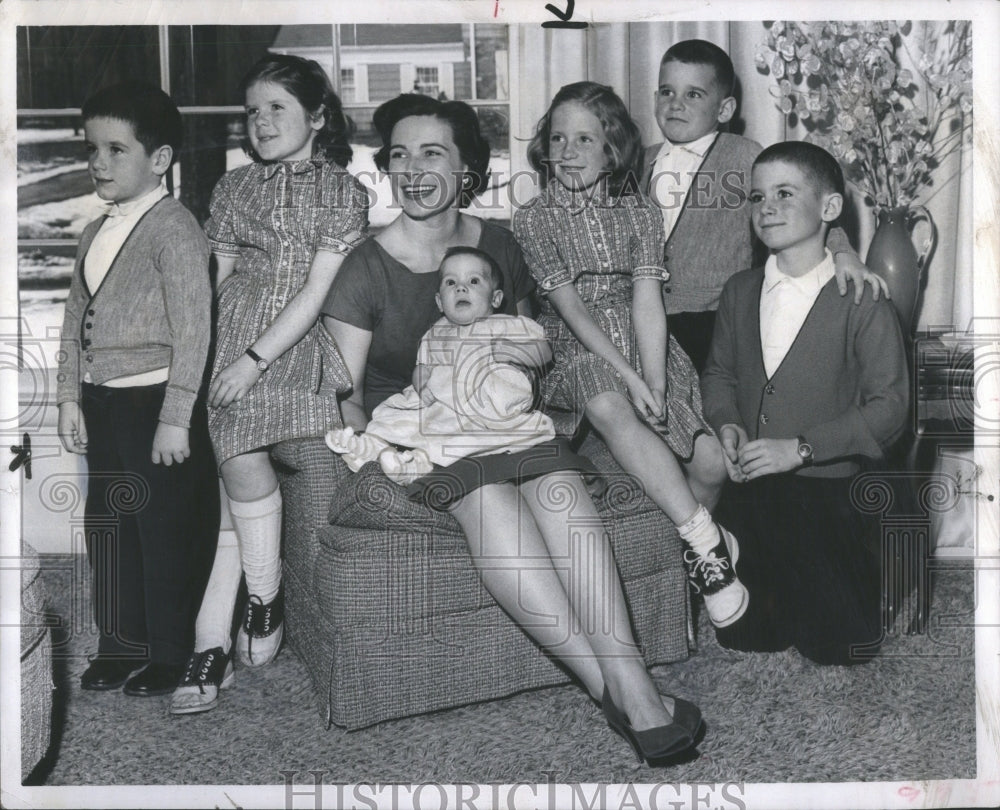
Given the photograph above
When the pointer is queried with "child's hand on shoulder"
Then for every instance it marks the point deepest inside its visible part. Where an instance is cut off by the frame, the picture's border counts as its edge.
(72, 430)
(170, 444)
(769, 456)
(849, 267)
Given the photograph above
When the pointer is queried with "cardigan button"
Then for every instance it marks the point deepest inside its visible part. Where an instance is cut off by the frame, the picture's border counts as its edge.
(90, 358)
(764, 419)
(769, 389)
(89, 325)
(90, 312)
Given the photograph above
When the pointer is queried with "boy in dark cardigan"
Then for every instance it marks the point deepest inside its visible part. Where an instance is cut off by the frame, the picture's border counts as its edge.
(699, 176)
(802, 384)
(135, 342)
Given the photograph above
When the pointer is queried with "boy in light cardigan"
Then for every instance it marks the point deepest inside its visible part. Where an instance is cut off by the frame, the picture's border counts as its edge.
(698, 176)
(801, 387)
(135, 342)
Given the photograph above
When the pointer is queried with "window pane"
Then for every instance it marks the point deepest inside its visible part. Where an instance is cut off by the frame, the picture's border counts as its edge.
(55, 197)
(348, 94)
(491, 62)
(207, 62)
(60, 66)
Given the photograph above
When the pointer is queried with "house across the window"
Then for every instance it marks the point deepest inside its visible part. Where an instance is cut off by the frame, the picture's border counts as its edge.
(427, 81)
(348, 89)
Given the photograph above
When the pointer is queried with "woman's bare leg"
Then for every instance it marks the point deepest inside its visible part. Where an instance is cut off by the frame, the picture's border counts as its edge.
(580, 551)
(516, 569)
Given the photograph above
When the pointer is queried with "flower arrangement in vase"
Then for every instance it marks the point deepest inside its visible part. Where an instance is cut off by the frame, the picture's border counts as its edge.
(889, 115)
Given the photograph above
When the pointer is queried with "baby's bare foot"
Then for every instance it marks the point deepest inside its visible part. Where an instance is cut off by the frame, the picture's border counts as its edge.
(404, 467)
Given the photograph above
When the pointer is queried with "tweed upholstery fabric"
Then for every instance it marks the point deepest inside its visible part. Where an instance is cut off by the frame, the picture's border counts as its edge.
(36, 665)
(390, 616)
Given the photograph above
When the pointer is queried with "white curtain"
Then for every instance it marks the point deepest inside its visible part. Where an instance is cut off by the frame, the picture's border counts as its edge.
(627, 57)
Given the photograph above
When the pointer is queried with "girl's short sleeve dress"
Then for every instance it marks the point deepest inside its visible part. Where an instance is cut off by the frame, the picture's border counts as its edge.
(599, 244)
(272, 218)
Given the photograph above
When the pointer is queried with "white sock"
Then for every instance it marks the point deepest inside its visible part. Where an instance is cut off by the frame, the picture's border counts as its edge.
(700, 532)
(258, 524)
(215, 617)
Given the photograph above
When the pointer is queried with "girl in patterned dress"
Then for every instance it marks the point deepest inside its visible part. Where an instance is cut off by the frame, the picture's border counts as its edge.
(279, 229)
(595, 249)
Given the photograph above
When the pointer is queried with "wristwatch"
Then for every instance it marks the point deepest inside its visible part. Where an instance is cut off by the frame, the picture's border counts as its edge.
(262, 364)
(805, 451)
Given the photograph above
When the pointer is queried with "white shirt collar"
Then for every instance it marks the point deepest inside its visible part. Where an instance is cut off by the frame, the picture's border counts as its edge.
(699, 146)
(810, 283)
(139, 205)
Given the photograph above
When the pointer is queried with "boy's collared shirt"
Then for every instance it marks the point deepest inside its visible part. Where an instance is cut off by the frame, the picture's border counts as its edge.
(673, 173)
(121, 220)
(785, 302)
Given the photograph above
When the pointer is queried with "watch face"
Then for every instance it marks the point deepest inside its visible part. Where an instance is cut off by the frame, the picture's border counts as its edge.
(262, 365)
(805, 450)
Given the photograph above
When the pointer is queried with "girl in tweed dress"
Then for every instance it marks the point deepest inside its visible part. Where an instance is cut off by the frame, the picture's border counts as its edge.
(595, 250)
(279, 229)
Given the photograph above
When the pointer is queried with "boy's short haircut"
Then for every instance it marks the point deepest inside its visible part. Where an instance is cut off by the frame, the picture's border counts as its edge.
(702, 52)
(153, 115)
(496, 276)
(818, 165)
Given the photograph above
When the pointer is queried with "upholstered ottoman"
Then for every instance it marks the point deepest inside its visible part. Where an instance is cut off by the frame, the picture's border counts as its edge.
(36, 664)
(388, 614)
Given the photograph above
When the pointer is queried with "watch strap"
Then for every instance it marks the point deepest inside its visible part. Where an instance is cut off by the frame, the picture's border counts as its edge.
(262, 364)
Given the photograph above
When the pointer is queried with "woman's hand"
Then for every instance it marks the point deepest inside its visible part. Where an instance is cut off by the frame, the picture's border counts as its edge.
(233, 382)
(72, 430)
(170, 444)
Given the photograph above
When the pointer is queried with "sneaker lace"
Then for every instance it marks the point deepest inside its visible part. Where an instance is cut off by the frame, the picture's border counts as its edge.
(200, 662)
(258, 615)
(709, 568)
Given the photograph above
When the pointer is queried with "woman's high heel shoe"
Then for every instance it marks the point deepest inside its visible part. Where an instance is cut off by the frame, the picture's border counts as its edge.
(686, 715)
(652, 745)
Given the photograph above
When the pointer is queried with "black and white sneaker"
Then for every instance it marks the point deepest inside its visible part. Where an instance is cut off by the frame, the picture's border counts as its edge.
(206, 673)
(714, 577)
(262, 629)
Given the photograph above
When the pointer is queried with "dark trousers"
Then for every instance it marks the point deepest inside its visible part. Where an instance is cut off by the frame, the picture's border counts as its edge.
(812, 564)
(693, 331)
(151, 530)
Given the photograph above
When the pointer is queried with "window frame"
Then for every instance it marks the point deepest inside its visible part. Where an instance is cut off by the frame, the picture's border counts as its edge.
(67, 246)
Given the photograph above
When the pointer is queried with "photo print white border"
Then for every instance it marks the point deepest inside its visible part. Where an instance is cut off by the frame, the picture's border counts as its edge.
(984, 790)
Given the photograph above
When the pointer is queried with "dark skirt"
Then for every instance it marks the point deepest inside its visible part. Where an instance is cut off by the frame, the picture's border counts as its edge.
(443, 486)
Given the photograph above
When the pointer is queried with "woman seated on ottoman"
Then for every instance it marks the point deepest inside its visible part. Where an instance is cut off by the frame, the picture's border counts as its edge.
(380, 305)
(471, 395)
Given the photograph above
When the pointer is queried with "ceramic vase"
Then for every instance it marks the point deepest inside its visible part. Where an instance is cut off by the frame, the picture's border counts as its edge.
(892, 255)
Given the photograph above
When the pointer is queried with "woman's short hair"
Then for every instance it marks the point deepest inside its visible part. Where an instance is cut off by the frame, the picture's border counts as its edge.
(473, 148)
(624, 141)
(308, 83)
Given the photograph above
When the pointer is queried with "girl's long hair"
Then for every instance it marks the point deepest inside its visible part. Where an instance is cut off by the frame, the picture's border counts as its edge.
(308, 83)
(623, 140)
